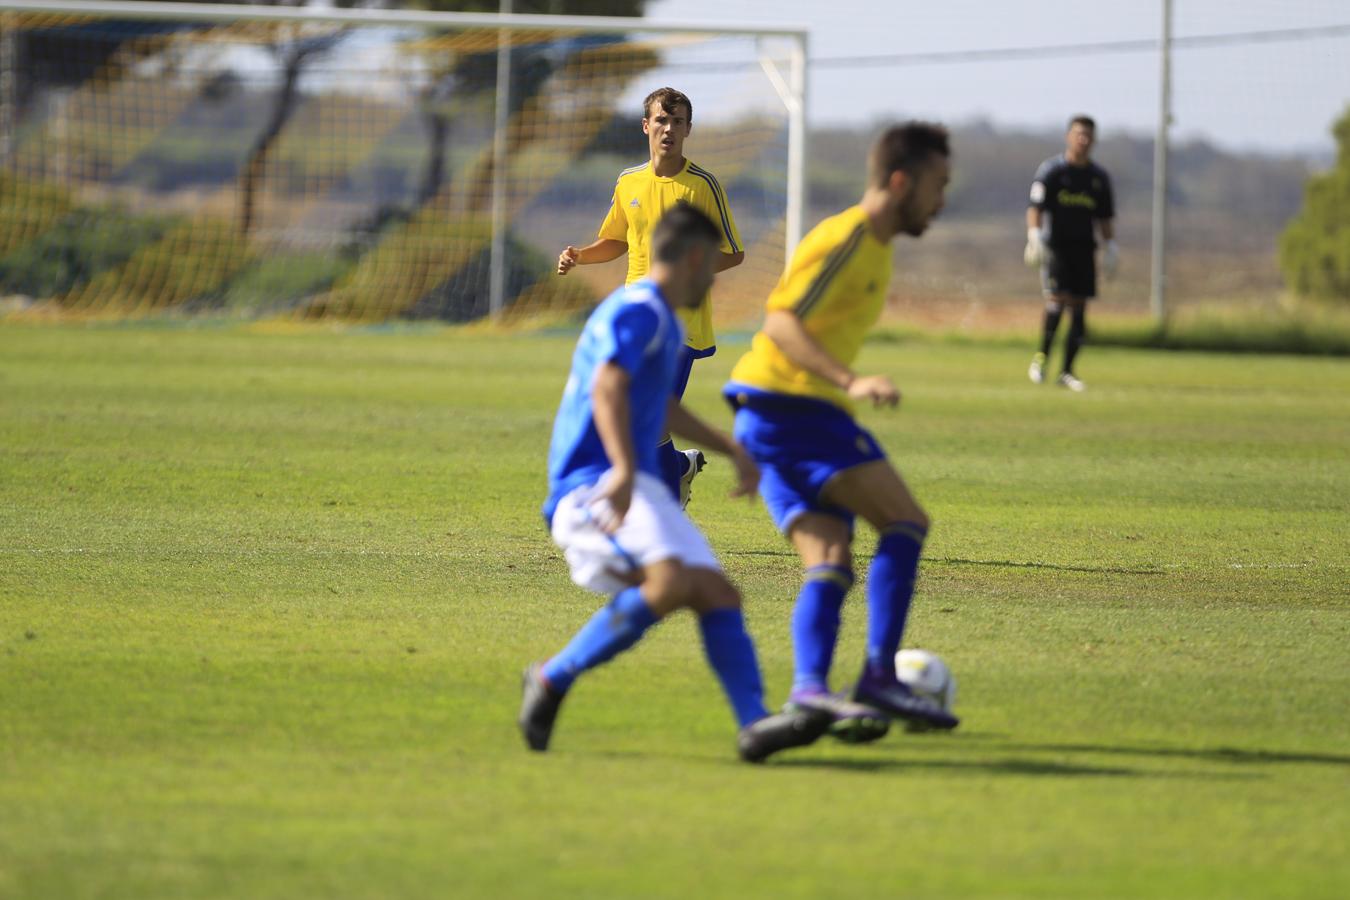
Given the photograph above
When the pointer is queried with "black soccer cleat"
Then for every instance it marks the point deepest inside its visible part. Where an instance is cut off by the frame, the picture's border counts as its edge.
(781, 731)
(898, 701)
(538, 708)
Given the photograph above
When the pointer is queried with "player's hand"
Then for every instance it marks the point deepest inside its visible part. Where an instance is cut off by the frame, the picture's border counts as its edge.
(747, 473)
(1110, 260)
(610, 503)
(878, 389)
(567, 259)
(1034, 254)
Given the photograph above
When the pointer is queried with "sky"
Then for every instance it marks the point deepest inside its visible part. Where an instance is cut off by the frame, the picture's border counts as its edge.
(1272, 96)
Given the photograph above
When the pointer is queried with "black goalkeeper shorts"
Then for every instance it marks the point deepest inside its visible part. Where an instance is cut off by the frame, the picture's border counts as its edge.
(1070, 270)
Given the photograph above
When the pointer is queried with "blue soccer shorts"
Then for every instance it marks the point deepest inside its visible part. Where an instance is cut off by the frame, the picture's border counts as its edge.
(799, 444)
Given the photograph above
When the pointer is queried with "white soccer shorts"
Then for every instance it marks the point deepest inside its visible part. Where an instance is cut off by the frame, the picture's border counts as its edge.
(654, 530)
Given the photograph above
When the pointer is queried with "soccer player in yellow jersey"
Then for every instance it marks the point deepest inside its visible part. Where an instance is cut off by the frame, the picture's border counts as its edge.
(794, 394)
(642, 194)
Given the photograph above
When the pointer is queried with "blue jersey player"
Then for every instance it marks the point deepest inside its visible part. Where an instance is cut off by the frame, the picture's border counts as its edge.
(619, 525)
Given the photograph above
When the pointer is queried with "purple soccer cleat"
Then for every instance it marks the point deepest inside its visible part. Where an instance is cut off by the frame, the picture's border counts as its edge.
(885, 692)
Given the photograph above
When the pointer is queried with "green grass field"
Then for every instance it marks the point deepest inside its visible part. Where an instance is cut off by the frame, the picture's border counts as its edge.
(264, 599)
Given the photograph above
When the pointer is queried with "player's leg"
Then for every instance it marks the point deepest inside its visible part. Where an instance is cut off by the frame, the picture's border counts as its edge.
(680, 467)
(701, 586)
(614, 565)
(1074, 342)
(663, 587)
(823, 543)
(875, 491)
(1051, 276)
(670, 567)
(1054, 309)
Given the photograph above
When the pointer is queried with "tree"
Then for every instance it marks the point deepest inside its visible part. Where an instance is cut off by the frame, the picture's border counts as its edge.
(476, 73)
(1315, 247)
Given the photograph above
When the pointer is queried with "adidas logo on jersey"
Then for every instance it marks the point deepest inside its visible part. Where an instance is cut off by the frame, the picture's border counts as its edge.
(633, 202)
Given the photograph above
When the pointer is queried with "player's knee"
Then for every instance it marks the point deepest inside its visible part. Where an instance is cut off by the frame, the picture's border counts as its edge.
(1054, 307)
(667, 587)
(710, 590)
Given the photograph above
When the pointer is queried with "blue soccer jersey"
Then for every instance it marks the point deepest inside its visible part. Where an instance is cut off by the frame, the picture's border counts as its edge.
(633, 328)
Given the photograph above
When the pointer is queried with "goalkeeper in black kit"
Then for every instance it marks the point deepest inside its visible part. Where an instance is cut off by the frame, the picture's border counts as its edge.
(1071, 203)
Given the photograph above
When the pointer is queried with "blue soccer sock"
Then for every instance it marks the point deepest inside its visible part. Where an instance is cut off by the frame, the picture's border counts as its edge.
(890, 587)
(673, 465)
(815, 625)
(731, 654)
(612, 630)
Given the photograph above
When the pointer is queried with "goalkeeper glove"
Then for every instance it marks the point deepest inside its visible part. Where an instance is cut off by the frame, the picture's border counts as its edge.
(1034, 254)
(1110, 259)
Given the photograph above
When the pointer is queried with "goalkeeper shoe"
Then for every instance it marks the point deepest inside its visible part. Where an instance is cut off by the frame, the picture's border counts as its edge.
(761, 739)
(852, 723)
(1067, 380)
(1036, 371)
(538, 708)
(886, 693)
(696, 463)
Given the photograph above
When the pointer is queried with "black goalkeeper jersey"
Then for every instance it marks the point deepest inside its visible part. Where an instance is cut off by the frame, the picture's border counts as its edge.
(1071, 198)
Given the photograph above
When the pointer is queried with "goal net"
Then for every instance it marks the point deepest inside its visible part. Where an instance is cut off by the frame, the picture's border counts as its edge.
(361, 166)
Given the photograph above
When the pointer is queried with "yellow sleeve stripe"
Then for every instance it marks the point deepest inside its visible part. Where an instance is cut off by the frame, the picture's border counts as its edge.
(720, 199)
(833, 263)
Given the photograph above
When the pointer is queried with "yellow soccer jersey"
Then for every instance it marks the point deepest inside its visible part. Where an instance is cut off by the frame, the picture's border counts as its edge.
(640, 198)
(836, 284)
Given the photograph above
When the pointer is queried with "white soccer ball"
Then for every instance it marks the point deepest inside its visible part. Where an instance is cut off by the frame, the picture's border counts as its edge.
(926, 675)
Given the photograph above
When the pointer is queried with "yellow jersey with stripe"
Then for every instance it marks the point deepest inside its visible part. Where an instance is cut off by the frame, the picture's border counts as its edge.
(640, 199)
(836, 285)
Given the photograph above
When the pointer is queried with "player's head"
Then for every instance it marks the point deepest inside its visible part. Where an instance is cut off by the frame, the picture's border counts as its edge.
(1082, 134)
(667, 116)
(684, 247)
(911, 164)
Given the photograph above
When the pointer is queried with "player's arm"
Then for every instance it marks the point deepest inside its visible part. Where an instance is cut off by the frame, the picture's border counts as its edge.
(785, 329)
(613, 423)
(680, 421)
(714, 203)
(610, 243)
(1034, 254)
(601, 251)
(1106, 227)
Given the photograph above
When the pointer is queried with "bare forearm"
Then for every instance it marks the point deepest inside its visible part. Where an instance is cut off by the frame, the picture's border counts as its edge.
(682, 422)
(788, 334)
(601, 251)
(613, 418)
(1033, 217)
(1107, 228)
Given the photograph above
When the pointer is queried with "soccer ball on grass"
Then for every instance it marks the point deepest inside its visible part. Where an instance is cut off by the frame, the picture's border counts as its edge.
(926, 675)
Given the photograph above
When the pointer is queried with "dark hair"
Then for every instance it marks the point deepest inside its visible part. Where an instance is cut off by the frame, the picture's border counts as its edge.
(669, 99)
(904, 148)
(1084, 120)
(681, 229)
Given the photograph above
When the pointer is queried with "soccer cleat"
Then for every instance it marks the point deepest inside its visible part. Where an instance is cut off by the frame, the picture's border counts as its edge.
(852, 723)
(761, 739)
(696, 463)
(895, 699)
(538, 708)
(1067, 380)
(1036, 371)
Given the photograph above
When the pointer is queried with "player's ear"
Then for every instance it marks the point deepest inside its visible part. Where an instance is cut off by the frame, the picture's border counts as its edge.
(899, 183)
